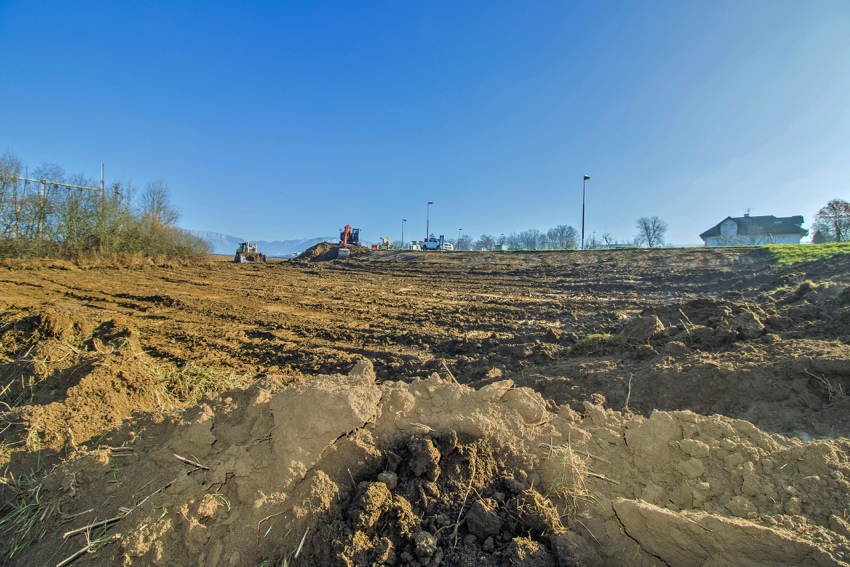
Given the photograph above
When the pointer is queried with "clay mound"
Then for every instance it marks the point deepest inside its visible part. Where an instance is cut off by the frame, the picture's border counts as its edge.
(319, 253)
(73, 378)
(325, 251)
(434, 472)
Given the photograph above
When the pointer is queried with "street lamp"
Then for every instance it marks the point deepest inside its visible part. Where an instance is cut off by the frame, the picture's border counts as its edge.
(583, 192)
(402, 232)
(428, 220)
(458, 238)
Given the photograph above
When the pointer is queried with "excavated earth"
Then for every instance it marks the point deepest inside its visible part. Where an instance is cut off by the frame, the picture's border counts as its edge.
(627, 407)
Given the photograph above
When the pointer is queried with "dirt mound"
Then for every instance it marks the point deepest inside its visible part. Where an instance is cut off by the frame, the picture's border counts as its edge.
(325, 251)
(73, 378)
(433, 472)
(322, 251)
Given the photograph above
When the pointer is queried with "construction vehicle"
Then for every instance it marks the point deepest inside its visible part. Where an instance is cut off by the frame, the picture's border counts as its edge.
(247, 253)
(347, 237)
(433, 243)
(385, 244)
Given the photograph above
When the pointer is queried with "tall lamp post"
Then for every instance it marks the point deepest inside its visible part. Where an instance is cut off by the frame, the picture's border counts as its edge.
(583, 192)
(402, 232)
(458, 238)
(428, 220)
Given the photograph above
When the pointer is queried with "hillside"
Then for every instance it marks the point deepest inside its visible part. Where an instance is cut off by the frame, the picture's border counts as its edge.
(226, 245)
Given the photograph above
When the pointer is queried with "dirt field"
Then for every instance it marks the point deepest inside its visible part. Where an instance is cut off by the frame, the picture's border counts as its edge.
(630, 407)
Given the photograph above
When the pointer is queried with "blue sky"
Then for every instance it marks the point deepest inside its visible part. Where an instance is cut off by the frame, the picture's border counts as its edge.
(279, 120)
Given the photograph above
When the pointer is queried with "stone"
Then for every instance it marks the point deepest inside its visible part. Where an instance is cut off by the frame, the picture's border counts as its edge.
(389, 478)
(676, 349)
(642, 328)
(748, 325)
(482, 519)
(426, 544)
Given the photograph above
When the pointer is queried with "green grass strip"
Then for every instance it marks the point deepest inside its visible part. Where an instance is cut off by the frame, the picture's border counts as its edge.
(787, 254)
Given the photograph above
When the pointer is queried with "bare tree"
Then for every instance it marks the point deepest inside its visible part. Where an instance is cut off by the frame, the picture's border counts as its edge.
(155, 205)
(608, 239)
(10, 194)
(832, 222)
(564, 237)
(513, 241)
(49, 171)
(486, 242)
(528, 239)
(464, 242)
(117, 214)
(651, 231)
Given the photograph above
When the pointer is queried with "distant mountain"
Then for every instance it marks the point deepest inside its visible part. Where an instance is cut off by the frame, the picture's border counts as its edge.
(226, 244)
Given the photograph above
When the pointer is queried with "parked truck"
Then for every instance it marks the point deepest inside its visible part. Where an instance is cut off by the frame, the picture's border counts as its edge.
(433, 243)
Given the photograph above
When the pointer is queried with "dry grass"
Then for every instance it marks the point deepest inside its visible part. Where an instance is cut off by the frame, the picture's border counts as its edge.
(187, 385)
(570, 485)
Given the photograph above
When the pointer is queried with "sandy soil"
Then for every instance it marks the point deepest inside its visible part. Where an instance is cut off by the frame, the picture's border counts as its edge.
(663, 407)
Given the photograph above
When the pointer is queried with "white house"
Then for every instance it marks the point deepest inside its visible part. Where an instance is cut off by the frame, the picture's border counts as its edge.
(753, 231)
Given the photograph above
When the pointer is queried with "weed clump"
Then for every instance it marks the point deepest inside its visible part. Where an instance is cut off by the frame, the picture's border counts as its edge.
(25, 512)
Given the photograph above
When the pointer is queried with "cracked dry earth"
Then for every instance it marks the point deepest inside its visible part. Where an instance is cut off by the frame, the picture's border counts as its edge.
(630, 407)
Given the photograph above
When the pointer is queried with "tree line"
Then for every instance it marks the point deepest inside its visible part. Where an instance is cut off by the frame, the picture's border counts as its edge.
(651, 232)
(561, 237)
(48, 219)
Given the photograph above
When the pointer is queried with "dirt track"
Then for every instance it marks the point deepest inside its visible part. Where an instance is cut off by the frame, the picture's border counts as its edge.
(710, 331)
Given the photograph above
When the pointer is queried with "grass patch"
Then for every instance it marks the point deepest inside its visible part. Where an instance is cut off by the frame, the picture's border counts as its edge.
(788, 254)
(25, 513)
(569, 486)
(599, 343)
(191, 382)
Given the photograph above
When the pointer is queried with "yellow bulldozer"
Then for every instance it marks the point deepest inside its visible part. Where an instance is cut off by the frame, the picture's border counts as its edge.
(384, 245)
(247, 253)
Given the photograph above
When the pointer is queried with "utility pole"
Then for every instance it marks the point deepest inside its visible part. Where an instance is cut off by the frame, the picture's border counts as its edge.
(583, 192)
(402, 232)
(42, 196)
(428, 220)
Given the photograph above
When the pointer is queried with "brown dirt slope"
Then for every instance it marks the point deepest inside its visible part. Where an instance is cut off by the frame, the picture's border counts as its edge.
(658, 405)
(433, 472)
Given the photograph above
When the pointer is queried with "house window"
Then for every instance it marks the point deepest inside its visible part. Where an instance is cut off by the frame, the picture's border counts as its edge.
(728, 228)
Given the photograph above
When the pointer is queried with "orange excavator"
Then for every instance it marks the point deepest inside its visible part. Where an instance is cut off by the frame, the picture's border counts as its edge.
(348, 237)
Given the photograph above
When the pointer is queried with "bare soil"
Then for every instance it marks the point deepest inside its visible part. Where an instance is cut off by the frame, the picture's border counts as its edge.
(642, 407)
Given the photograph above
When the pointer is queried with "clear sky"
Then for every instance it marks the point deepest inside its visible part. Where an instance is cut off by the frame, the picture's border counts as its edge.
(278, 120)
